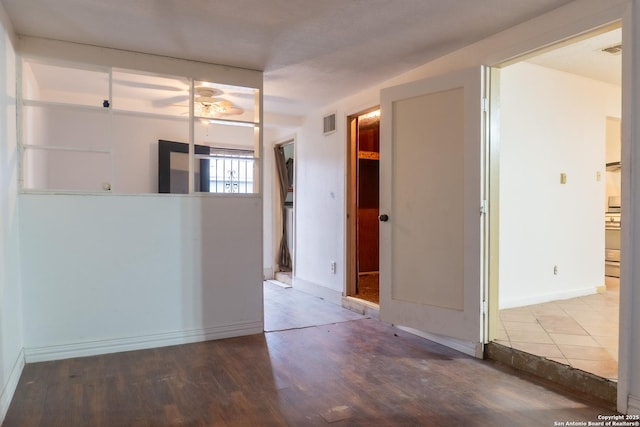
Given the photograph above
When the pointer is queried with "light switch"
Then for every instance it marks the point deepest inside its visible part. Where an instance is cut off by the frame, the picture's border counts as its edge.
(563, 178)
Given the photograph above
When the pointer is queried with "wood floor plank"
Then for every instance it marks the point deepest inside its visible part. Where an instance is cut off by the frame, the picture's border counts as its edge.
(288, 308)
(354, 373)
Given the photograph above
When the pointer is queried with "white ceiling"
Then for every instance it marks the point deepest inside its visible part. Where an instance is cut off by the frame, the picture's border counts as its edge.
(586, 58)
(313, 52)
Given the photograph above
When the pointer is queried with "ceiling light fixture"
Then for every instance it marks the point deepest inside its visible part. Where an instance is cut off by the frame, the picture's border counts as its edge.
(207, 105)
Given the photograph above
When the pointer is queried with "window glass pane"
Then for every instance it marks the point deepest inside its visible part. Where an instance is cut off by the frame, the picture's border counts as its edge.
(231, 173)
(76, 138)
(150, 94)
(66, 170)
(135, 149)
(66, 127)
(227, 154)
(61, 84)
(179, 173)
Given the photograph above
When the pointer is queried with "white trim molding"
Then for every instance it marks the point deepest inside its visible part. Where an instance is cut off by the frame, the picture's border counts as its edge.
(467, 347)
(93, 348)
(542, 298)
(9, 388)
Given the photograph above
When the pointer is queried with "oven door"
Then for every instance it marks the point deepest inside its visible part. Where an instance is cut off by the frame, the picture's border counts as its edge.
(612, 252)
(612, 268)
(612, 238)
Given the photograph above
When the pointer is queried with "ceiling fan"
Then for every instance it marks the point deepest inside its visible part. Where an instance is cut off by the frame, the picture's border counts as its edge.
(207, 103)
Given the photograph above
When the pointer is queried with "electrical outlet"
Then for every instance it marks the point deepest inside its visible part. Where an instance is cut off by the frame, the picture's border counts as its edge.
(333, 267)
(555, 270)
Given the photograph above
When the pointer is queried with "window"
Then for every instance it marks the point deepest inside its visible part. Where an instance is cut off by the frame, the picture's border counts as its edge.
(216, 170)
(96, 129)
(54, 158)
(231, 170)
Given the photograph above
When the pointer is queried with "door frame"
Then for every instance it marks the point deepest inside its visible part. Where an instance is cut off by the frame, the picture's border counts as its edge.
(619, 15)
(351, 272)
(493, 163)
(277, 211)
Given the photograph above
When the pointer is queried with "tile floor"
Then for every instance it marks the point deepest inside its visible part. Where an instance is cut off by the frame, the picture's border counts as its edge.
(581, 332)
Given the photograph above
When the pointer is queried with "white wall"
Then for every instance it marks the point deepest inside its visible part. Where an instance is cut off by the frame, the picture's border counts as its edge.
(109, 273)
(557, 125)
(320, 208)
(321, 160)
(11, 339)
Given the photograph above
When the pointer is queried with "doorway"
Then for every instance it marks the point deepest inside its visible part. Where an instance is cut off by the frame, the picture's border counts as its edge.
(559, 178)
(363, 199)
(285, 170)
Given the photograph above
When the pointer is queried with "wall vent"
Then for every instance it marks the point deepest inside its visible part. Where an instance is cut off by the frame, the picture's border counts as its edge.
(616, 49)
(329, 124)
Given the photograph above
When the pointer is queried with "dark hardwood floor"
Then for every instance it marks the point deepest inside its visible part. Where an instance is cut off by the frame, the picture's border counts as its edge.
(354, 373)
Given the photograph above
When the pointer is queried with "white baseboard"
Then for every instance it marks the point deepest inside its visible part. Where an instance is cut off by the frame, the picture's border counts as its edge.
(318, 290)
(466, 347)
(267, 273)
(633, 405)
(542, 298)
(93, 348)
(9, 388)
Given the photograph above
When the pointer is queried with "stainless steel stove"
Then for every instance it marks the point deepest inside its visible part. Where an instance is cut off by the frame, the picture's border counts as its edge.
(613, 225)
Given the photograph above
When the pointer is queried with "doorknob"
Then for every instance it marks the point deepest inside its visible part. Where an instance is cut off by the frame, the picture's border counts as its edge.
(383, 218)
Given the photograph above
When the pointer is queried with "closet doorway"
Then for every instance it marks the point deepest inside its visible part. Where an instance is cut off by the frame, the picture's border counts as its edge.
(285, 169)
(363, 210)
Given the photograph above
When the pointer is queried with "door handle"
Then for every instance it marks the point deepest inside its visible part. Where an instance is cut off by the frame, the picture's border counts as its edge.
(383, 218)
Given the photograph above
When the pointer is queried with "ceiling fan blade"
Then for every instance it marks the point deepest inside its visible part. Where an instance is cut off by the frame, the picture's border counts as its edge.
(223, 103)
(153, 86)
(169, 101)
(250, 96)
(233, 111)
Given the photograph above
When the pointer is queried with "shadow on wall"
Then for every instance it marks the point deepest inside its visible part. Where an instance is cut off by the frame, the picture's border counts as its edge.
(11, 336)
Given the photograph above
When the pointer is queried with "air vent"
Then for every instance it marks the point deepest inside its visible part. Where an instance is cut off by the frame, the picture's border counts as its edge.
(329, 124)
(616, 49)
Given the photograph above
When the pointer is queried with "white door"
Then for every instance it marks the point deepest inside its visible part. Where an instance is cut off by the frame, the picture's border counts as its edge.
(431, 278)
